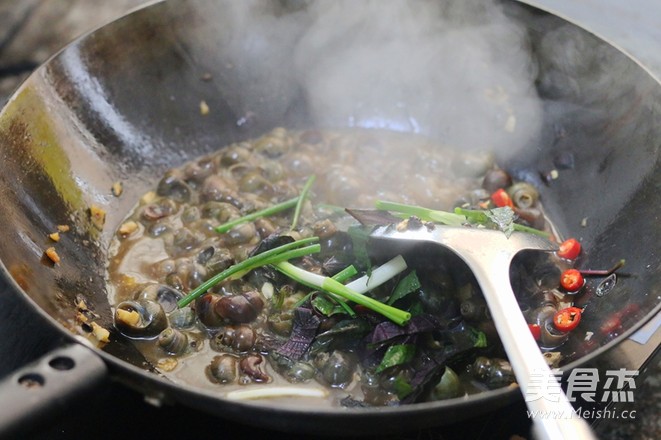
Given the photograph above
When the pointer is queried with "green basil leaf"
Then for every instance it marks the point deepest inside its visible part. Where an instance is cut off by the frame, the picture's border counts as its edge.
(402, 387)
(416, 309)
(480, 338)
(325, 306)
(410, 283)
(396, 355)
(359, 238)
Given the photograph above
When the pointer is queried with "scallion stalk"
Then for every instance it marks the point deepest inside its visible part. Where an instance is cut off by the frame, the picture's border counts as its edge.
(446, 218)
(301, 199)
(456, 218)
(258, 214)
(345, 273)
(341, 276)
(335, 287)
(379, 275)
(284, 256)
(267, 257)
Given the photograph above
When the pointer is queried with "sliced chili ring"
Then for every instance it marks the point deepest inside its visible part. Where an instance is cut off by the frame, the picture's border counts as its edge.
(567, 319)
(571, 280)
(569, 249)
(500, 198)
(536, 331)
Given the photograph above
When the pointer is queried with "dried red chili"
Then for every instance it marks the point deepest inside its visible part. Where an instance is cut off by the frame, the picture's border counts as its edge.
(567, 319)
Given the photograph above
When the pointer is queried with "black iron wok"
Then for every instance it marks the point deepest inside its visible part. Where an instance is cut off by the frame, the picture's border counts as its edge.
(122, 104)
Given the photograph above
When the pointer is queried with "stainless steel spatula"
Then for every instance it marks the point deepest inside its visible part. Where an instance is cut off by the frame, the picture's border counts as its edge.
(488, 253)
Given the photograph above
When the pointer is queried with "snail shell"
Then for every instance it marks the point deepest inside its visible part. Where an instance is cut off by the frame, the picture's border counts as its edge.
(140, 318)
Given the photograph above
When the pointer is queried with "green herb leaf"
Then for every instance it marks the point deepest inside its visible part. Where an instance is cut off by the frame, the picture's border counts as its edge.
(410, 283)
(416, 309)
(278, 299)
(396, 355)
(480, 338)
(402, 387)
(359, 238)
(325, 306)
(503, 218)
(340, 335)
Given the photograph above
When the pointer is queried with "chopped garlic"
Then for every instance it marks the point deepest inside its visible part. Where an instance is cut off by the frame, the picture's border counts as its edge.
(51, 253)
(63, 228)
(402, 226)
(148, 197)
(268, 290)
(130, 317)
(128, 228)
(117, 189)
(204, 108)
(101, 334)
(97, 216)
(55, 236)
(553, 358)
(167, 364)
(80, 317)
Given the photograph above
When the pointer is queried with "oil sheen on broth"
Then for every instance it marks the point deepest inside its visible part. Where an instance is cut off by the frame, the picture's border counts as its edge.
(167, 246)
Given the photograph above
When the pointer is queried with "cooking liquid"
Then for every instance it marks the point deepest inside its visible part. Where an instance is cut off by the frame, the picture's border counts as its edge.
(353, 169)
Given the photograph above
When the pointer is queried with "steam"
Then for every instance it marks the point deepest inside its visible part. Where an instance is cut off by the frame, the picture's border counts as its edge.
(459, 71)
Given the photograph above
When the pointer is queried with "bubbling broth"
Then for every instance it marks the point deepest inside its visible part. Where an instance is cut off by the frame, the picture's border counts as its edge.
(261, 333)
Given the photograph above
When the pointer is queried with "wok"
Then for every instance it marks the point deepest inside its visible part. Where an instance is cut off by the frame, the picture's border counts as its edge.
(122, 104)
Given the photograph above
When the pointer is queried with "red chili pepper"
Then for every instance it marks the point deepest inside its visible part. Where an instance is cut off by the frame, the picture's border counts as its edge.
(567, 319)
(612, 324)
(500, 198)
(614, 321)
(569, 249)
(571, 280)
(536, 331)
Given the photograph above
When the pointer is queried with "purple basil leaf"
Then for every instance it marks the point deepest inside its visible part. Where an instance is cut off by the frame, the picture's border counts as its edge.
(418, 324)
(303, 332)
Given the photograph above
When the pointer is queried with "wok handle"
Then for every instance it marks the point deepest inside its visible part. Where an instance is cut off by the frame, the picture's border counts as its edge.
(45, 387)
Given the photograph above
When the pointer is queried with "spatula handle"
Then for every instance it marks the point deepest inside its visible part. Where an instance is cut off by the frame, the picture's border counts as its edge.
(554, 417)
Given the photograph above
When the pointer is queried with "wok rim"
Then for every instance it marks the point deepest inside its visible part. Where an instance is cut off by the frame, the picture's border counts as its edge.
(176, 391)
(179, 393)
